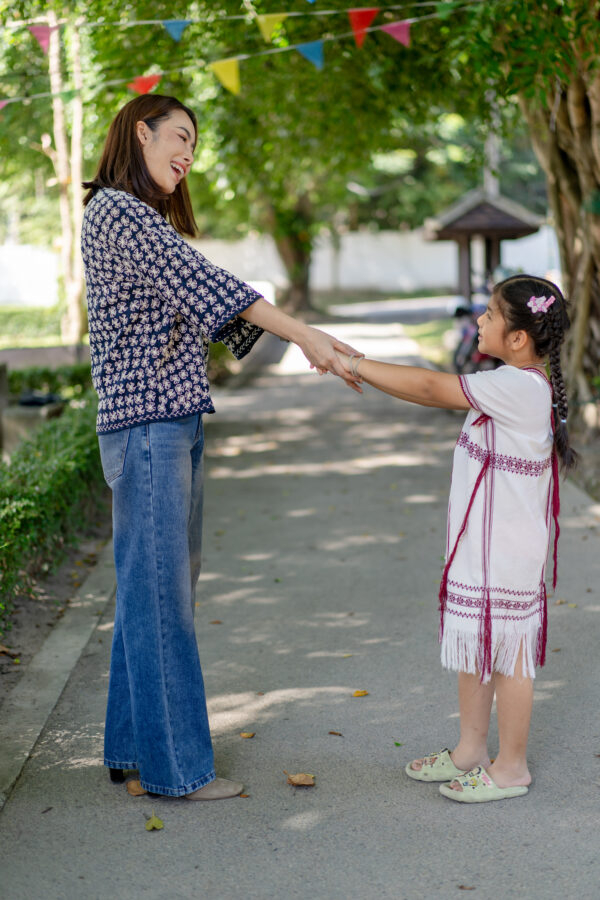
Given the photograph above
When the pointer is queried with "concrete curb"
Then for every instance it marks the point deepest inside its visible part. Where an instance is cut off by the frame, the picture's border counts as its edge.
(29, 705)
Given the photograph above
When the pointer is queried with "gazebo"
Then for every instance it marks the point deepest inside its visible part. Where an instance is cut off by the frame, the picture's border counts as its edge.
(485, 215)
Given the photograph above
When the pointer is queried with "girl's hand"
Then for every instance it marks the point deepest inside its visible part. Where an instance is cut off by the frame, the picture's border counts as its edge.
(321, 350)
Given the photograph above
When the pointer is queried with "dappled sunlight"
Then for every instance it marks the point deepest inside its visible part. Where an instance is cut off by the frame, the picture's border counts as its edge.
(358, 540)
(304, 821)
(234, 710)
(421, 498)
(256, 557)
(356, 466)
(301, 513)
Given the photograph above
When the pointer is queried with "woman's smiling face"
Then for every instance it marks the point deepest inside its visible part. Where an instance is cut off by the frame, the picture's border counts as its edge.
(168, 150)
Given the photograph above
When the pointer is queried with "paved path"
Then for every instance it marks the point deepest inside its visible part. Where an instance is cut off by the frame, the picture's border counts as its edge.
(324, 533)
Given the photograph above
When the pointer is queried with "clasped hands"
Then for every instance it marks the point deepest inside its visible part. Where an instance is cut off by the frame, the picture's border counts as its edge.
(327, 354)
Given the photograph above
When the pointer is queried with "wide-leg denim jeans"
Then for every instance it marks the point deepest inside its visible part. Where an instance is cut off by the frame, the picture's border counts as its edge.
(156, 719)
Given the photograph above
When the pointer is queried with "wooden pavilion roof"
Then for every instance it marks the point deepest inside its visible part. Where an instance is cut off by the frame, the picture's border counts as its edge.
(479, 213)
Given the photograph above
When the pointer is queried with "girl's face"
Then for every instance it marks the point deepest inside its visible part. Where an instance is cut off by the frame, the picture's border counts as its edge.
(169, 150)
(493, 337)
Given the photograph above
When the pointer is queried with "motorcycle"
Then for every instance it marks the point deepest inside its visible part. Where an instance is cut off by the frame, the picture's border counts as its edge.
(467, 357)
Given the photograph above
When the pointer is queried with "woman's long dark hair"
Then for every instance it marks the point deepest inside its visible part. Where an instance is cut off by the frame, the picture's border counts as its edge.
(547, 330)
(122, 165)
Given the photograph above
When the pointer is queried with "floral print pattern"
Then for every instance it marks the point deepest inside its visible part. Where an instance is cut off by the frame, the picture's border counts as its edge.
(154, 304)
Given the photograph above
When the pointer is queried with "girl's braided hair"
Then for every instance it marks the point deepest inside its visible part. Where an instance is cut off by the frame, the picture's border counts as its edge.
(547, 330)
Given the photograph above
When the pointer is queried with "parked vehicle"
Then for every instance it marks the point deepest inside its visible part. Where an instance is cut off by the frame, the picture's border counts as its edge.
(466, 357)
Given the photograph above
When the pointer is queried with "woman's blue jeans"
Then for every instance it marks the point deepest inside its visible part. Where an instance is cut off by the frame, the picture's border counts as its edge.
(156, 720)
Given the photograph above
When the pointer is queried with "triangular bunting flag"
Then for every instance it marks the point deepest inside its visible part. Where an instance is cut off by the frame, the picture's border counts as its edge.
(42, 35)
(313, 52)
(176, 27)
(400, 31)
(360, 19)
(269, 23)
(228, 73)
(143, 84)
(3, 103)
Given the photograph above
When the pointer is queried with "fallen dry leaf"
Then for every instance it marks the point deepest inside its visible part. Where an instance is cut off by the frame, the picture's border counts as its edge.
(135, 788)
(360, 693)
(346, 655)
(247, 734)
(560, 602)
(245, 796)
(572, 606)
(337, 733)
(216, 622)
(556, 650)
(154, 823)
(465, 887)
(8, 651)
(300, 780)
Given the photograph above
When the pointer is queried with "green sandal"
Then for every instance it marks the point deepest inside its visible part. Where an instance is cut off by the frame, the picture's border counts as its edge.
(479, 787)
(436, 767)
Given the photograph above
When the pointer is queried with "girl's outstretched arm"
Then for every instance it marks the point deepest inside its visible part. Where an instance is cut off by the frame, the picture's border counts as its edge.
(417, 385)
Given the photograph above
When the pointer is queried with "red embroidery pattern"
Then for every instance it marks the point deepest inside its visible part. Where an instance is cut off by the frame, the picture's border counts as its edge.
(513, 464)
(494, 590)
(497, 603)
(497, 618)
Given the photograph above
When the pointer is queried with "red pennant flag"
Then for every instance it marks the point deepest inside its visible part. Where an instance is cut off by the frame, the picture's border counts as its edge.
(360, 19)
(400, 31)
(143, 84)
(42, 35)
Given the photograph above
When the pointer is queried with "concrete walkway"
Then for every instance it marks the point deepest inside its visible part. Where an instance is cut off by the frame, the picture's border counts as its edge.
(325, 523)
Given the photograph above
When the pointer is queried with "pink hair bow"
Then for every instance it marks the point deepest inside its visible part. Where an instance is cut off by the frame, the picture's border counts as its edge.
(540, 304)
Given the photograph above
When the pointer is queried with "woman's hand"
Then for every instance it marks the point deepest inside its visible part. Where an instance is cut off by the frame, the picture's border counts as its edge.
(322, 349)
(318, 347)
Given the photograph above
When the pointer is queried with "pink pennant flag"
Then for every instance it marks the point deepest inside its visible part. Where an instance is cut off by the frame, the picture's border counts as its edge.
(360, 19)
(400, 31)
(3, 103)
(143, 84)
(42, 35)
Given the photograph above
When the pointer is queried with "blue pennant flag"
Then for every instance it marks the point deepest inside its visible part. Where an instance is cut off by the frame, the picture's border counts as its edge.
(176, 27)
(313, 52)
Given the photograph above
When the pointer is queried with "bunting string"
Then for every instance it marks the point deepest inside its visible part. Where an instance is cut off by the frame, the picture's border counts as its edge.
(227, 70)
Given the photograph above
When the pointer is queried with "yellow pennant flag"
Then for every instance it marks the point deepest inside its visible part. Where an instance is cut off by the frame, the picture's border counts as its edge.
(269, 23)
(228, 73)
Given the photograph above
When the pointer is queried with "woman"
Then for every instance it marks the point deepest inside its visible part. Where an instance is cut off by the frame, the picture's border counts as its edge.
(154, 305)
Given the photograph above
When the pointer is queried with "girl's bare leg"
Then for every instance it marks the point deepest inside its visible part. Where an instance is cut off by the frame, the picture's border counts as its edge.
(514, 702)
(475, 704)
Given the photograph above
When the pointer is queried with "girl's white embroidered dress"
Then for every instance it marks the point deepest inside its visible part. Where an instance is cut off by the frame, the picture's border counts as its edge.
(503, 470)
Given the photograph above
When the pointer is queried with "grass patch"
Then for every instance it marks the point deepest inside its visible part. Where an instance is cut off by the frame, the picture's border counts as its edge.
(432, 340)
(29, 326)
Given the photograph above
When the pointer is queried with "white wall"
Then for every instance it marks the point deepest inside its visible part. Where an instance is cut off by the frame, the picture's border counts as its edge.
(28, 276)
(384, 260)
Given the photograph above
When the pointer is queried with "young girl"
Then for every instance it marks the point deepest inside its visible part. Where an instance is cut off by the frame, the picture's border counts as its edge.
(503, 497)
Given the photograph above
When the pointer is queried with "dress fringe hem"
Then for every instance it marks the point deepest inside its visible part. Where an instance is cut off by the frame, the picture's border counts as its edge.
(461, 652)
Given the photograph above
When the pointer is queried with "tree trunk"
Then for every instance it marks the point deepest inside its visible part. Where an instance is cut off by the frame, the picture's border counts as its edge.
(72, 324)
(568, 152)
(291, 231)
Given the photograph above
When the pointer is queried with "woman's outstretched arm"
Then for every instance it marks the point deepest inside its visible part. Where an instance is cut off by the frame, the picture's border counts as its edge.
(417, 385)
(318, 347)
